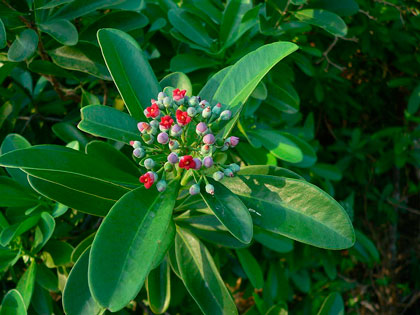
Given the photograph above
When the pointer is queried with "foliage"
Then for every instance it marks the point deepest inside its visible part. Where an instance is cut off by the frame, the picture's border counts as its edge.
(325, 99)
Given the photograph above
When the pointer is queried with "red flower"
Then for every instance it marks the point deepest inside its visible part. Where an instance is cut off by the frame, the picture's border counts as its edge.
(166, 122)
(147, 179)
(182, 117)
(187, 162)
(152, 111)
(177, 94)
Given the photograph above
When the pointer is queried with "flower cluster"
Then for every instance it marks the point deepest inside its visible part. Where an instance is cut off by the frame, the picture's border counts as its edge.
(181, 135)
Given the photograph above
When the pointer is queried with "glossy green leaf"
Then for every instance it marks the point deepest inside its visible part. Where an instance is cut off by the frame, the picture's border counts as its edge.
(190, 27)
(232, 17)
(57, 253)
(209, 228)
(3, 37)
(273, 241)
(187, 63)
(15, 195)
(96, 204)
(8, 257)
(327, 171)
(77, 299)
(268, 170)
(12, 231)
(108, 122)
(84, 57)
(158, 287)
(122, 20)
(47, 67)
(333, 304)
(13, 304)
(23, 46)
(295, 209)
(251, 267)
(279, 145)
(41, 301)
(166, 243)
(26, 283)
(342, 7)
(67, 132)
(129, 69)
(111, 155)
(81, 247)
(308, 153)
(283, 98)
(201, 276)
(230, 211)
(52, 4)
(43, 231)
(61, 30)
(243, 77)
(124, 247)
(46, 278)
(177, 80)
(414, 101)
(327, 20)
(210, 88)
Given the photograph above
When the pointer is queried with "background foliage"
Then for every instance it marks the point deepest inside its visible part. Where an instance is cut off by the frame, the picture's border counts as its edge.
(348, 99)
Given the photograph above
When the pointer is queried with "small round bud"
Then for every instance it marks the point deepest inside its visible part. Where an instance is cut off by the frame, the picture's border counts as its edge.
(208, 161)
(163, 138)
(225, 115)
(232, 141)
(218, 175)
(154, 124)
(210, 189)
(209, 139)
(149, 163)
(205, 149)
(173, 158)
(201, 128)
(194, 189)
(138, 152)
(216, 109)
(197, 163)
(136, 144)
(191, 111)
(152, 131)
(161, 185)
(161, 96)
(228, 172)
(204, 104)
(143, 127)
(155, 176)
(168, 167)
(235, 167)
(206, 112)
(176, 130)
(173, 144)
(192, 101)
(148, 139)
(167, 102)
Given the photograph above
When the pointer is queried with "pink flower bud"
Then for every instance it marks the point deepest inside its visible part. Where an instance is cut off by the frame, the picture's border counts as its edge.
(233, 141)
(208, 161)
(143, 126)
(209, 139)
(197, 163)
(201, 128)
(163, 138)
(173, 158)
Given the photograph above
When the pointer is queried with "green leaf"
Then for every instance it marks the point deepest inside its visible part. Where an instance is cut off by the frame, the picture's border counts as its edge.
(77, 299)
(26, 283)
(124, 247)
(13, 304)
(324, 19)
(187, 63)
(23, 46)
(295, 209)
(209, 228)
(52, 4)
(43, 231)
(57, 253)
(111, 155)
(8, 258)
(243, 77)
(279, 145)
(61, 30)
(129, 69)
(414, 101)
(268, 170)
(208, 90)
(273, 241)
(342, 7)
(84, 57)
(333, 304)
(230, 211)
(12, 231)
(3, 37)
(41, 301)
(308, 153)
(232, 17)
(190, 27)
(68, 133)
(108, 122)
(15, 195)
(177, 80)
(201, 276)
(251, 267)
(46, 278)
(158, 286)
(125, 21)
(81, 247)
(283, 98)
(165, 244)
